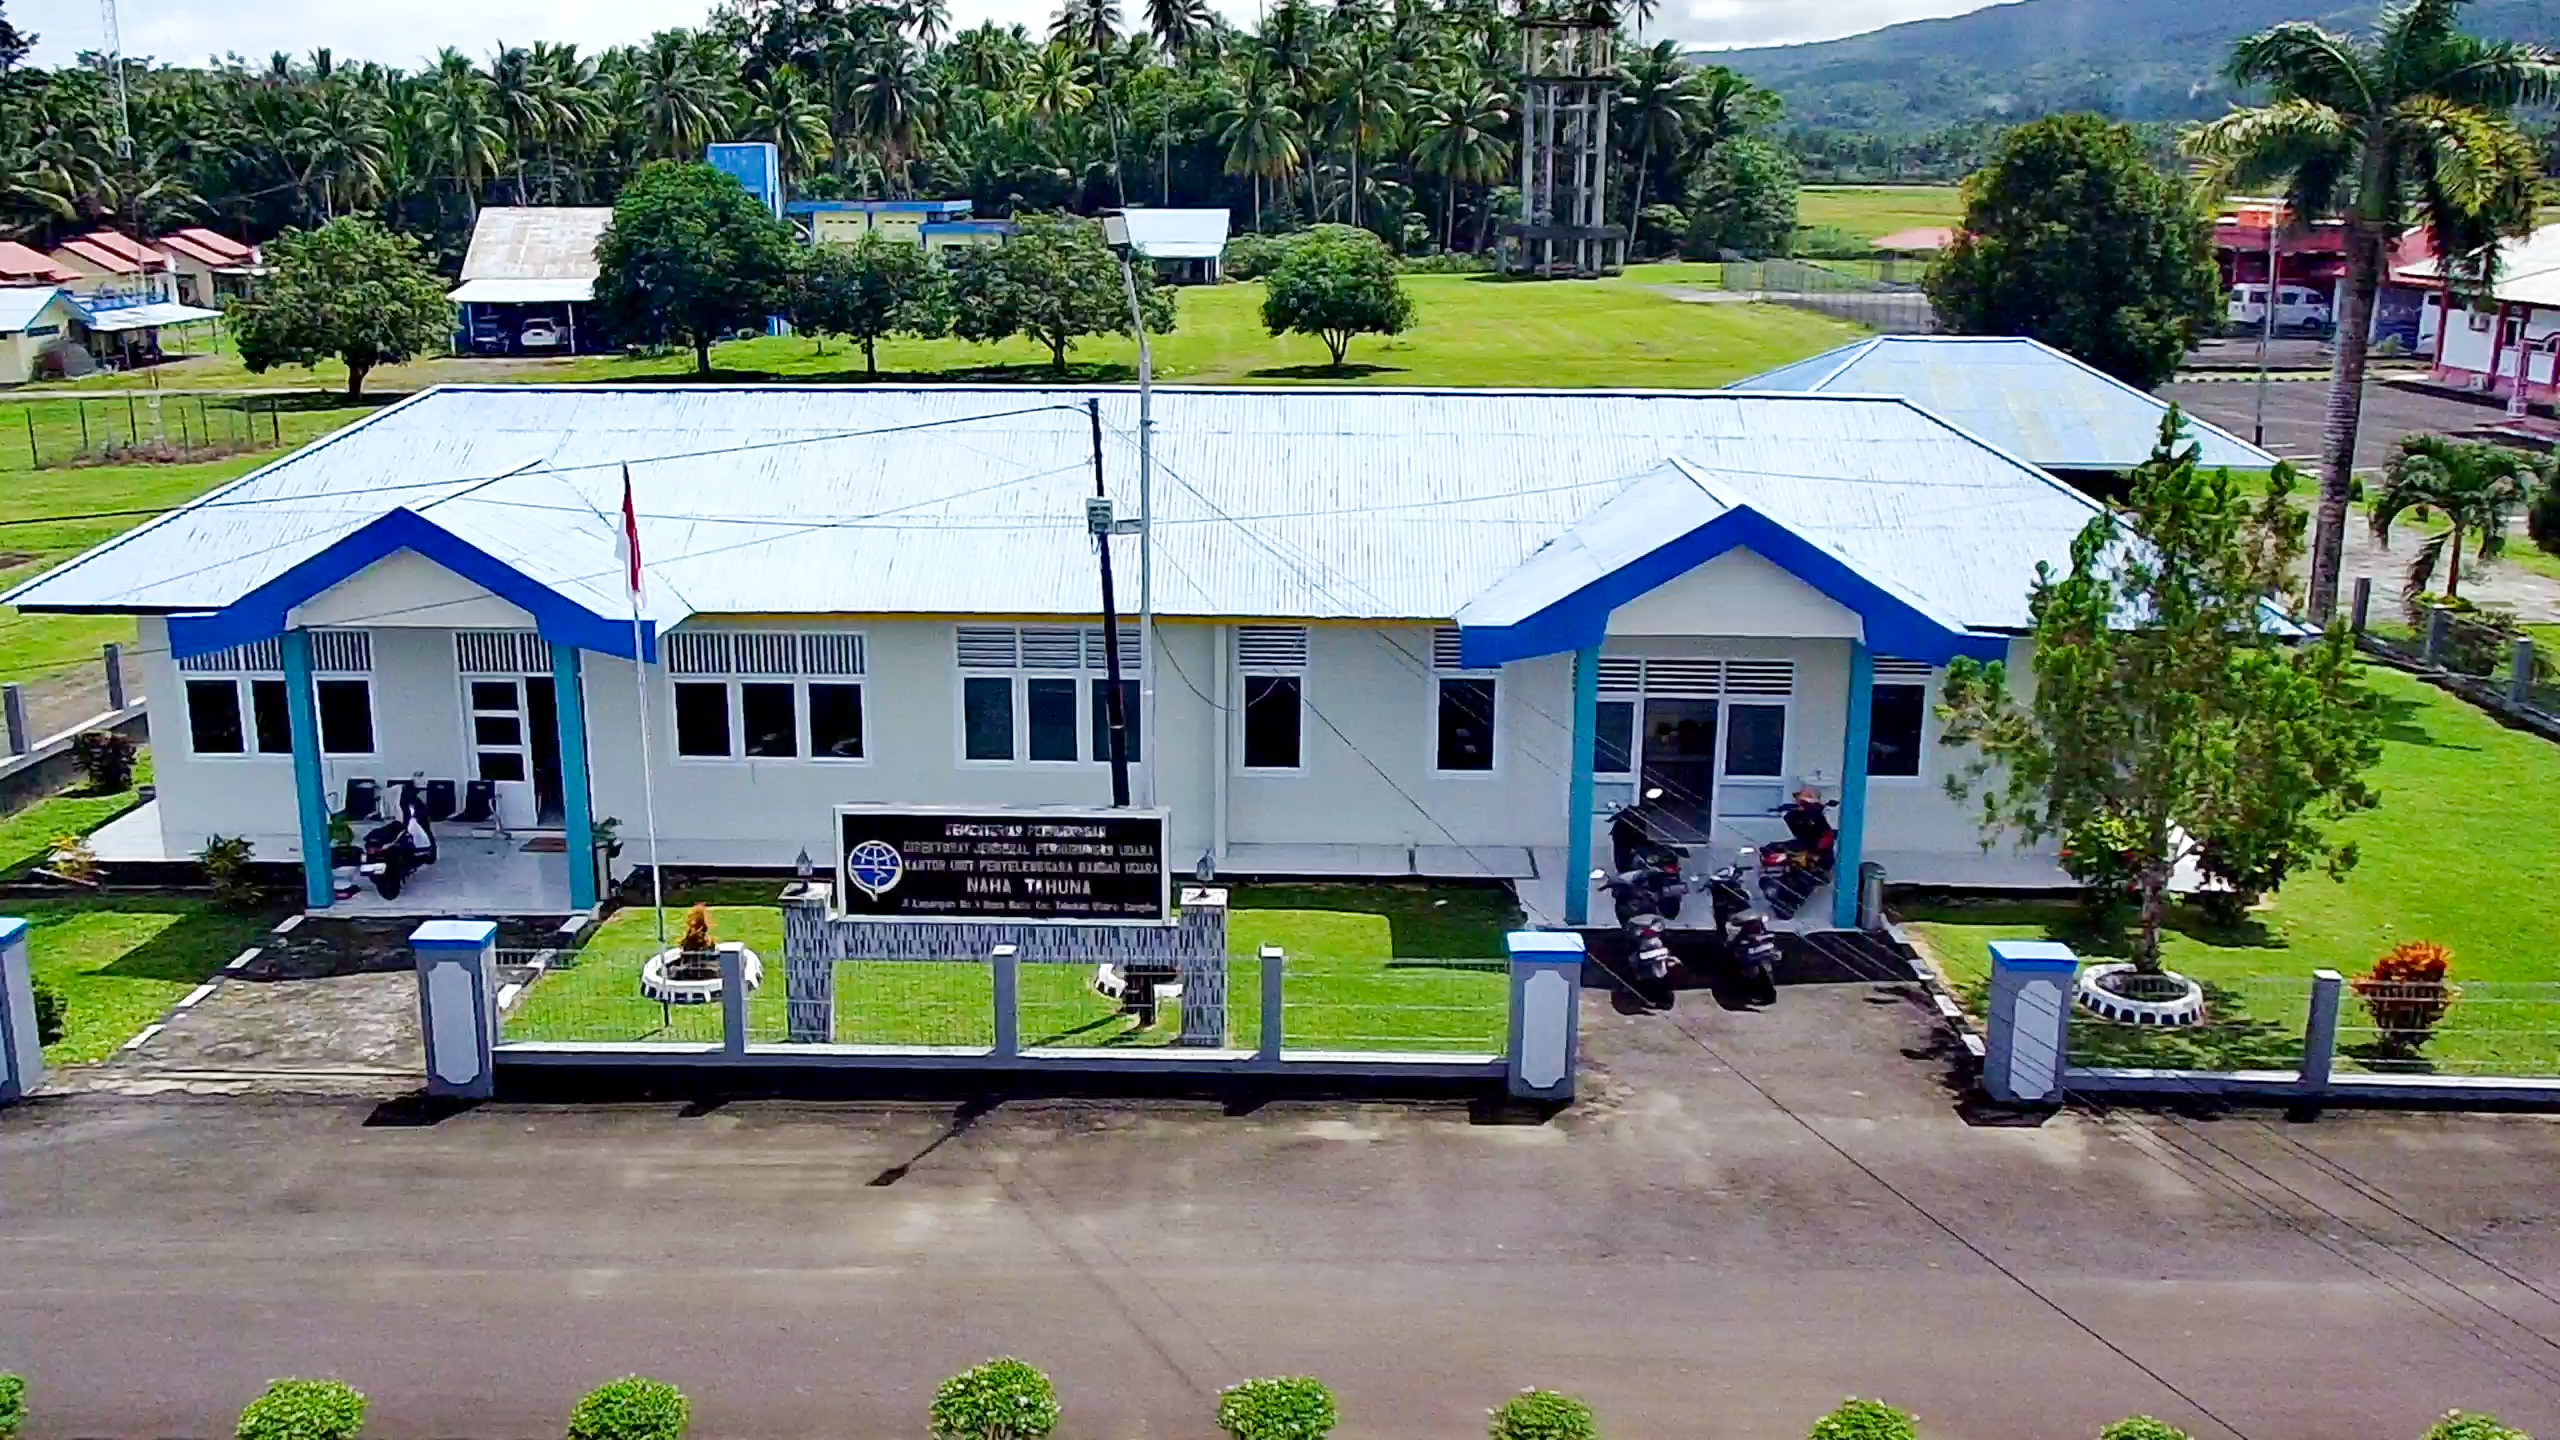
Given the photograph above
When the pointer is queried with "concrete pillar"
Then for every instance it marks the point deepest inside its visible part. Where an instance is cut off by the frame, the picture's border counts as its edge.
(733, 999)
(1275, 998)
(808, 967)
(1546, 1012)
(1202, 969)
(457, 1005)
(2439, 631)
(577, 806)
(1851, 846)
(1577, 828)
(2030, 1021)
(13, 719)
(114, 658)
(21, 1048)
(311, 800)
(1007, 962)
(2320, 1032)
(2520, 671)
(2363, 606)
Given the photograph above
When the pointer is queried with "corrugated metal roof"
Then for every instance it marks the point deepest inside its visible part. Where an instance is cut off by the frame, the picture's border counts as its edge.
(2024, 396)
(143, 317)
(970, 500)
(1174, 234)
(21, 304)
(522, 292)
(21, 261)
(535, 243)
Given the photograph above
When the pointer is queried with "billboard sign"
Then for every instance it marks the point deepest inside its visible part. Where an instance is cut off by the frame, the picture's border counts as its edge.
(1024, 866)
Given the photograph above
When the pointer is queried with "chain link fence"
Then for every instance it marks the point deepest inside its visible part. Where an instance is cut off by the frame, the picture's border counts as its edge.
(2472, 1028)
(1888, 307)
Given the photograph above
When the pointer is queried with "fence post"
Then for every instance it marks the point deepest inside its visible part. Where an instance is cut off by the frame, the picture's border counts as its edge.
(1202, 968)
(114, 657)
(2439, 630)
(1546, 1013)
(2520, 671)
(808, 971)
(1274, 998)
(2030, 1021)
(733, 999)
(13, 718)
(2320, 1033)
(2363, 603)
(21, 1047)
(457, 1005)
(1007, 960)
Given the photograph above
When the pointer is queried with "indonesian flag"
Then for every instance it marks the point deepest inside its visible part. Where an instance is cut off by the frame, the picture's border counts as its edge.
(627, 545)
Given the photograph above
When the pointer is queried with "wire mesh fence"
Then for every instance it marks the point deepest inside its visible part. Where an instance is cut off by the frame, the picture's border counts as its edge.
(2249, 1024)
(2468, 1027)
(1895, 307)
(595, 996)
(2488, 647)
(143, 426)
(941, 1003)
(1414, 1006)
(1081, 1005)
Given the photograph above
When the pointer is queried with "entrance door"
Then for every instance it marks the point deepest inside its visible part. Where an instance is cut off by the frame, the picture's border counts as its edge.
(542, 734)
(1680, 761)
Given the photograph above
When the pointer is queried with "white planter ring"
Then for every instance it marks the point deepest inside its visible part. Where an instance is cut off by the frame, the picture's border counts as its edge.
(2185, 1009)
(655, 984)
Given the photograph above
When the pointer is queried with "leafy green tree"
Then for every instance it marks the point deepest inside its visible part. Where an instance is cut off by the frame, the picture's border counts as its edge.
(350, 289)
(1055, 281)
(2074, 237)
(1743, 199)
(2409, 126)
(2474, 485)
(868, 291)
(690, 257)
(1335, 282)
(2166, 714)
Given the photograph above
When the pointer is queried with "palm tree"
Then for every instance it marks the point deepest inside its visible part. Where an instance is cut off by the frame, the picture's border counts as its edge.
(929, 19)
(1464, 143)
(468, 133)
(2474, 485)
(682, 108)
(1088, 25)
(1260, 132)
(2408, 125)
(1176, 24)
(891, 102)
(343, 142)
(784, 108)
(1359, 104)
(1656, 103)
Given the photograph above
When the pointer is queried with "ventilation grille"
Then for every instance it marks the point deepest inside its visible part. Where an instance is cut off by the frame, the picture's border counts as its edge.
(1271, 647)
(1903, 671)
(1052, 649)
(986, 647)
(1621, 677)
(264, 657)
(837, 652)
(1448, 652)
(1683, 677)
(696, 652)
(342, 652)
(1703, 677)
(500, 652)
(1760, 677)
(765, 653)
(1097, 657)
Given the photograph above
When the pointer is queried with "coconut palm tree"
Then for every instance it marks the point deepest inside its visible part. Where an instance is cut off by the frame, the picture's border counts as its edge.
(891, 105)
(1259, 132)
(1176, 24)
(929, 19)
(1465, 141)
(1656, 102)
(784, 108)
(2409, 125)
(2475, 486)
(343, 142)
(682, 108)
(1360, 96)
(470, 138)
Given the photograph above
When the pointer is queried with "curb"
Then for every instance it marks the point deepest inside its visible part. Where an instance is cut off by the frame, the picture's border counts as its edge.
(1950, 1009)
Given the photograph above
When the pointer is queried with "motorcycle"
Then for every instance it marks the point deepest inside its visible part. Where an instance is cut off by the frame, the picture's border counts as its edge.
(1747, 942)
(1646, 888)
(1793, 868)
(397, 849)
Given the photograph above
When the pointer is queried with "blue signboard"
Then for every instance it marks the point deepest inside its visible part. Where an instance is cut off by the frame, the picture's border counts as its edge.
(752, 163)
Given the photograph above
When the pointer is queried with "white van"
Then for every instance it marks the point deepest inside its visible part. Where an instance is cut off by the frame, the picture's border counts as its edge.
(2298, 308)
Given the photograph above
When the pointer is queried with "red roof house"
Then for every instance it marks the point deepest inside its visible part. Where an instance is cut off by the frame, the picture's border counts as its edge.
(24, 265)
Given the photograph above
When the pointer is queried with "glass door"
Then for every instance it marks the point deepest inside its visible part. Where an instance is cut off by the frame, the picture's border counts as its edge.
(498, 750)
(1680, 761)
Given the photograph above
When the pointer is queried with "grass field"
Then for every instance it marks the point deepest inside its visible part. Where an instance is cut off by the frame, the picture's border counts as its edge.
(27, 836)
(1868, 211)
(119, 963)
(2460, 853)
(1368, 967)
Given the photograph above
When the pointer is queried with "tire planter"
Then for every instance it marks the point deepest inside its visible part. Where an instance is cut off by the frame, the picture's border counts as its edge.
(2178, 1012)
(655, 985)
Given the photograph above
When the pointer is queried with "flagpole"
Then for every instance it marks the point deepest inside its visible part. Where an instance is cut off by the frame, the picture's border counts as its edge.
(640, 688)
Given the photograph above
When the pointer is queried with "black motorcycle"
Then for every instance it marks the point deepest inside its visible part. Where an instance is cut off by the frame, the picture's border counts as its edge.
(1748, 945)
(397, 849)
(1646, 888)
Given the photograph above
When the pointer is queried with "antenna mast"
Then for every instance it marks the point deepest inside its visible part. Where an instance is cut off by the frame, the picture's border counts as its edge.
(115, 64)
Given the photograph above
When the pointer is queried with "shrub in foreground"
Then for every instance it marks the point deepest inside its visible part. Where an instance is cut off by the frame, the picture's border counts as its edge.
(1002, 1399)
(1544, 1415)
(13, 1406)
(1858, 1419)
(631, 1408)
(304, 1410)
(2406, 994)
(1286, 1407)
(50, 1013)
(2458, 1426)
(2142, 1427)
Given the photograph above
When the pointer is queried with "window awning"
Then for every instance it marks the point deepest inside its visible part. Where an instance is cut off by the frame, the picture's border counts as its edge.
(145, 317)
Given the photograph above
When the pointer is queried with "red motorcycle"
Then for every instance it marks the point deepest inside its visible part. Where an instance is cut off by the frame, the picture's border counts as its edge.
(1793, 868)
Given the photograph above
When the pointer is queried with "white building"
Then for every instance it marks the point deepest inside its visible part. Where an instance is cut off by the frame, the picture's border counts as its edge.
(2507, 339)
(1384, 618)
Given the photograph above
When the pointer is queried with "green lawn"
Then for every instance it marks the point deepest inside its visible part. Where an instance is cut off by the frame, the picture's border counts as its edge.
(2461, 852)
(1872, 210)
(1368, 967)
(27, 836)
(120, 963)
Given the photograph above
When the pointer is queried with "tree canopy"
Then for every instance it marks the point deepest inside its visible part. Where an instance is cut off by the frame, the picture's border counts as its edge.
(1335, 282)
(2074, 237)
(1055, 282)
(2169, 720)
(866, 292)
(690, 257)
(349, 289)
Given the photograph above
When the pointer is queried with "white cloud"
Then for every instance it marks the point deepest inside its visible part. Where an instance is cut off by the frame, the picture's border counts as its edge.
(405, 32)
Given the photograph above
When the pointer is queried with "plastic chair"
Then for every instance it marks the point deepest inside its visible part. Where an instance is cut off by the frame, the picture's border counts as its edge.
(480, 808)
(440, 801)
(364, 801)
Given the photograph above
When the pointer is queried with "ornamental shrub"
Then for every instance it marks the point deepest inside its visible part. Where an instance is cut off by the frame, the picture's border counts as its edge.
(2142, 1427)
(105, 759)
(2406, 994)
(1287, 1407)
(1002, 1399)
(49, 1014)
(2458, 1426)
(304, 1410)
(13, 1406)
(1858, 1419)
(631, 1408)
(1544, 1415)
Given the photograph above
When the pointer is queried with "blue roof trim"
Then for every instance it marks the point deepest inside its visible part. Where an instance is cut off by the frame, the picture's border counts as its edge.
(263, 611)
(1894, 626)
(880, 207)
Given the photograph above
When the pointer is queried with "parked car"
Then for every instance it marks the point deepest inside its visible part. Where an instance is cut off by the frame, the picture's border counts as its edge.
(2299, 308)
(542, 335)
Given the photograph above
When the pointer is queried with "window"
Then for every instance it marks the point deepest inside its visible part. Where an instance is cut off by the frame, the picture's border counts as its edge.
(1897, 718)
(1052, 708)
(986, 720)
(346, 717)
(702, 720)
(1271, 722)
(1466, 725)
(835, 721)
(1613, 742)
(770, 716)
(1755, 740)
(1128, 720)
(271, 717)
(213, 717)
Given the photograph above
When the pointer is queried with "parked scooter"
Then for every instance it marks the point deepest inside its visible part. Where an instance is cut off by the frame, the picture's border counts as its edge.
(397, 849)
(1793, 868)
(1748, 945)
(1646, 887)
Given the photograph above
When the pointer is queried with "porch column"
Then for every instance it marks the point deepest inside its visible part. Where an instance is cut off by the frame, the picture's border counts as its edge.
(1853, 788)
(1577, 828)
(577, 811)
(311, 800)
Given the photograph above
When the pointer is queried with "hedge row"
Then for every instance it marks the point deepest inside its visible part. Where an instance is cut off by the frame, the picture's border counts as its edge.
(1005, 1399)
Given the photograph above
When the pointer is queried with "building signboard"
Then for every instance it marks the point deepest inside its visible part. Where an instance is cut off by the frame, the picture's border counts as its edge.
(1024, 866)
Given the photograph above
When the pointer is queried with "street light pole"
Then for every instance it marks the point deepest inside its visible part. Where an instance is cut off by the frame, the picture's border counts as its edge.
(1146, 539)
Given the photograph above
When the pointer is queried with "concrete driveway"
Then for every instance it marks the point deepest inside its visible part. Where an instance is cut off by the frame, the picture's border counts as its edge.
(1751, 1216)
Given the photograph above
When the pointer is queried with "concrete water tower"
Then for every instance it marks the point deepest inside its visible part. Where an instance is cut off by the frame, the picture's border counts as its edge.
(1568, 75)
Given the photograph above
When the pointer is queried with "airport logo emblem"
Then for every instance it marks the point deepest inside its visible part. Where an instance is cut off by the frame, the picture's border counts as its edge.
(874, 867)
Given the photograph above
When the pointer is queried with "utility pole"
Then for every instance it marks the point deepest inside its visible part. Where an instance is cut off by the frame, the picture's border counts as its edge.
(2267, 327)
(1098, 521)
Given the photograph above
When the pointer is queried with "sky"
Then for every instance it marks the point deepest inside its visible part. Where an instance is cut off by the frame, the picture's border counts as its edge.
(402, 32)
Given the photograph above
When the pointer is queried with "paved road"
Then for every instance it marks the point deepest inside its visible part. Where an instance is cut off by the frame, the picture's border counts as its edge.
(1749, 1217)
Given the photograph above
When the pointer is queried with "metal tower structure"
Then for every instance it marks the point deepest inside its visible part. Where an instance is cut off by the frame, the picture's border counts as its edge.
(1567, 79)
(115, 65)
